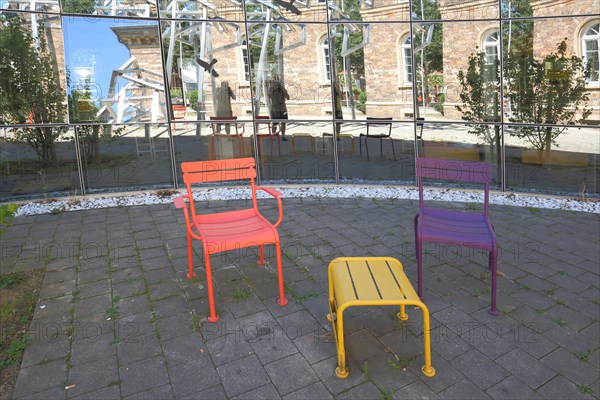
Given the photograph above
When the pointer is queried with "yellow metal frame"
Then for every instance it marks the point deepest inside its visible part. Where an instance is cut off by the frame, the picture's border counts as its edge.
(371, 281)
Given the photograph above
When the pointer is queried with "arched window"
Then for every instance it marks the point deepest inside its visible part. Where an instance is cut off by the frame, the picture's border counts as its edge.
(491, 47)
(325, 57)
(590, 43)
(245, 60)
(406, 60)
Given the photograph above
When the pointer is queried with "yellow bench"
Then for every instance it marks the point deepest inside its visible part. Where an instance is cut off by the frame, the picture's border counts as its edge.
(371, 281)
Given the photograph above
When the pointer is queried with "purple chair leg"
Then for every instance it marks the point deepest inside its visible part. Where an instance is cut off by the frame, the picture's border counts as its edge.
(493, 269)
(418, 251)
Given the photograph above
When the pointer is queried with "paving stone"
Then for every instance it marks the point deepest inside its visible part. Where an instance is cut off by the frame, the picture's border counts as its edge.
(193, 376)
(298, 324)
(366, 390)
(416, 390)
(94, 347)
(570, 340)
(39, 378)
(242, 375)
(57, 393)
(160, 274)
(227, 343)
(270, 343)
(171, 306)
(562, 388)
(512, 389)
(325, 370)
(164, 289)
(48, 345)
(315, 391)
(575, 320)
(134, 305)
(569, 283)
(215, 392)
(60, 289)
(128, 289)
(527, 368)
(463, 390)
(142, 376)
(184, 349)
(108, 392)
(132, 326)
(479, 369)
(164, 392)
(267, 392)
(93, 376)
(571, 367)
(290, 374)
(316, 347)
(172, 327)
(137, 348)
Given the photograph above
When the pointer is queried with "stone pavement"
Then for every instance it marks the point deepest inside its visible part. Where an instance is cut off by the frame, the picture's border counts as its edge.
(117, 317)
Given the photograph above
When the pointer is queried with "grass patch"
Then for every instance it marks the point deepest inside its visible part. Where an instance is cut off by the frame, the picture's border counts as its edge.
(18, 297)
(240, 293)
(386, 394)
(585, 389)
(400, 362)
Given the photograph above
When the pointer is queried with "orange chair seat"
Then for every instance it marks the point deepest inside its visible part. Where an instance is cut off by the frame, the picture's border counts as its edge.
(234, 230)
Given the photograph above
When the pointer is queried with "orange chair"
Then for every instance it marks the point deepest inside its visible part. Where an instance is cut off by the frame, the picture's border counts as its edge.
(179, 111)
(229, 230)
(228, 122)
(272, 132)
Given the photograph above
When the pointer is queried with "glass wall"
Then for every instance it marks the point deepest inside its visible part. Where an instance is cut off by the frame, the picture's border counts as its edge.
(100, 96)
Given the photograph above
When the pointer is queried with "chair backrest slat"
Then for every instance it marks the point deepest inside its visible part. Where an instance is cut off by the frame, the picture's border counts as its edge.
(381, 124)
(453, 170)
(218, 170)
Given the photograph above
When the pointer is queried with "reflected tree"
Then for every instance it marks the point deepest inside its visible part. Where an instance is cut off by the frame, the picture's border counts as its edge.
(429, 47)
(546, 92)
(30, 92)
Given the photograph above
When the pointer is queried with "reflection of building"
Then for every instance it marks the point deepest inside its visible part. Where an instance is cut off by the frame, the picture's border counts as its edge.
(461, 39)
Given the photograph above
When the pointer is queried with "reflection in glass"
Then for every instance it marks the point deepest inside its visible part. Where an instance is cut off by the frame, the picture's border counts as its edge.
(389, 159)
(114, 8)
(47, 6)
(31, 167)
(125, 158)
(571, 167)
(32, 79)
(591, 45)
(115, 73)
(544, 86)
(424, 10)
(230, 10)
(538, 8)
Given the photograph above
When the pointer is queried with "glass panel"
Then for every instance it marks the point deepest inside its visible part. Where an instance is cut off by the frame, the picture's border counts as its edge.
(387, 155)
(121, 158)
(114, 8)
(303, 154)
(228, 10)
(32, 74)
(115, 71)
(368, 10)
(211, 81)
(48, 6)
(468, 89)
(287, 60)
(38, 161)
(544, 77)
(569, 165)
(532, 8)
(286, 10)
(477, 142)
(425, 10)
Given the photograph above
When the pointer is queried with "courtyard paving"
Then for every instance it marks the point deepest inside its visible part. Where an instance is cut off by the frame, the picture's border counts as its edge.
(117, 317)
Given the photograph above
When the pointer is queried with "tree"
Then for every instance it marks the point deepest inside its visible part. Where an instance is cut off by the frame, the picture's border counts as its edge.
(480, 87)
(547, 92)
(30, 92)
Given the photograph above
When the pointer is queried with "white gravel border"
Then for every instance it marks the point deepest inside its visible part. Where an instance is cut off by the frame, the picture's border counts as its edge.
(322, 191)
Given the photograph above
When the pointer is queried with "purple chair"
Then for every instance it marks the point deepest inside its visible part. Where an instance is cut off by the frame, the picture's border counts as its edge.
(462, 228)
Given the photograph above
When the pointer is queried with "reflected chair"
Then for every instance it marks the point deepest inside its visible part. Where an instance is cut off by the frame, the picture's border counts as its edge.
(471, 229)
(230, 230)
(228, 123)
(377, 128)
(179, 111)
(261, 121)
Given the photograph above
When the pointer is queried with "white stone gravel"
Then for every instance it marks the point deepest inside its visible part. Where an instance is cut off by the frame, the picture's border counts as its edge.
(324, 191)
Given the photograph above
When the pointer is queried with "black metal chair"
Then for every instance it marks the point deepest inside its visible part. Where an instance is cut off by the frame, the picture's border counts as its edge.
(377, 128)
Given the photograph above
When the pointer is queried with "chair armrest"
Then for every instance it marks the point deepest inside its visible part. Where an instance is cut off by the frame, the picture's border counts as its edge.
(180, 201)
(273, 192)
(277, 195)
